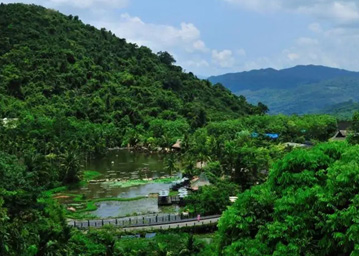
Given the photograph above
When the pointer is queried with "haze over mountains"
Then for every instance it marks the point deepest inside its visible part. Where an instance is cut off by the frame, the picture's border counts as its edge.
(300, 90)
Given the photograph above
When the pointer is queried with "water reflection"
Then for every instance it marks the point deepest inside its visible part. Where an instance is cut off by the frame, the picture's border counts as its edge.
(119, 209)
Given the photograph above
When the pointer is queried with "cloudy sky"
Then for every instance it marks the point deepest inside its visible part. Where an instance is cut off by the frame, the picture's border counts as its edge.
(210, 37)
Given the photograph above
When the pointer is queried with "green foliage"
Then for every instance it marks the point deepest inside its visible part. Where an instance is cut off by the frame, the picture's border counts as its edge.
(343, 110)
(354, 130)
(75, 91)
(54, 64)
(214, 199)
(308, 206)
(108, 242)
(90, 175)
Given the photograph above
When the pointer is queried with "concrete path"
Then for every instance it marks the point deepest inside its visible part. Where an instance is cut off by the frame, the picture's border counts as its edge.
(173, 225)
(145, 222)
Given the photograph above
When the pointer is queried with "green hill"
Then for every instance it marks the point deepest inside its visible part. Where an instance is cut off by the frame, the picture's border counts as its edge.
(302, 89)
(279, 79)
(344, 110)
(51, 63)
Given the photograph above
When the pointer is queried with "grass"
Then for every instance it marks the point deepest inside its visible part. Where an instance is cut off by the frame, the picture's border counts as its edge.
(91, 206)
(53, 191)
(87, 175)
(90, 175)
(168, 209)
(174, 193)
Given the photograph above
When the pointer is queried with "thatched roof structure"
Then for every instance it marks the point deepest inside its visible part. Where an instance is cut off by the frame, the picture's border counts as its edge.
(340, 135)
(177, 145)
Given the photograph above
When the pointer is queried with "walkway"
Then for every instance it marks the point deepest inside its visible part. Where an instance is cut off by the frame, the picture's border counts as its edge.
(146, 222)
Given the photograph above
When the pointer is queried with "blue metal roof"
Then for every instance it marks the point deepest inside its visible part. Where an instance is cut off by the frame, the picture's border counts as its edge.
(269, 135)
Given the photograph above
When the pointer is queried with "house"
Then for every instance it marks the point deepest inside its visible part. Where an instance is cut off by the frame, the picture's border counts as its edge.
(164, 198)
(340, 135)
(177, 145)
(272, 136)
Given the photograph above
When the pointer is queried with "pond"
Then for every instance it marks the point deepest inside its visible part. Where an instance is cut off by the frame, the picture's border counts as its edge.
(125, 165)
(121, 209)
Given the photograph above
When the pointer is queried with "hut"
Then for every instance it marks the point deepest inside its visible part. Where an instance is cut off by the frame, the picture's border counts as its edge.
(164, 198)
(340, 135)
(233, 198)
(177, 145)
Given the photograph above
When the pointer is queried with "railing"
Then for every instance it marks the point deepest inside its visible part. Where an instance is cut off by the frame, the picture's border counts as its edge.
(144, 221)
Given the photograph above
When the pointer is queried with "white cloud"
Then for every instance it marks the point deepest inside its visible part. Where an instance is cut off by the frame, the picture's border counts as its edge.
(200, 45)
(223, 58)
(339, 11)
(156, 36)
(334, 33)
(257, 5)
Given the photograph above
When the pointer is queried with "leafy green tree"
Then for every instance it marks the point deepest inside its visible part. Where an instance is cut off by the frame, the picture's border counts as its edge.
(306, 207)
(354, 135)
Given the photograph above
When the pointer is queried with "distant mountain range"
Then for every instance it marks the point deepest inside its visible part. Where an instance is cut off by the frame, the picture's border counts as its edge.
(297, 90)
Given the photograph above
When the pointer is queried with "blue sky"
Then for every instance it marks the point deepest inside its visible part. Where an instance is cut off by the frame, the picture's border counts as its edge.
(210, 37)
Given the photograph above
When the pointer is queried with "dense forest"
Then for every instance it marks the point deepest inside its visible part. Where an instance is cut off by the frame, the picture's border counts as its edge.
(69, 91)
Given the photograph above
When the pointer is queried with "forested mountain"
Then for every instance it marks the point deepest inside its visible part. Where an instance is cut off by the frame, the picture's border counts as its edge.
(51, 63)
(302, 89)
(279, 79)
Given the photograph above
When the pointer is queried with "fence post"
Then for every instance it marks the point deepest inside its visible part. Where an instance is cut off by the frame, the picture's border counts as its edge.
(74, 223)
(156, 218)
(116, 222)
(130, 221)
(95, 223)
(102, 222)
(88, 223)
